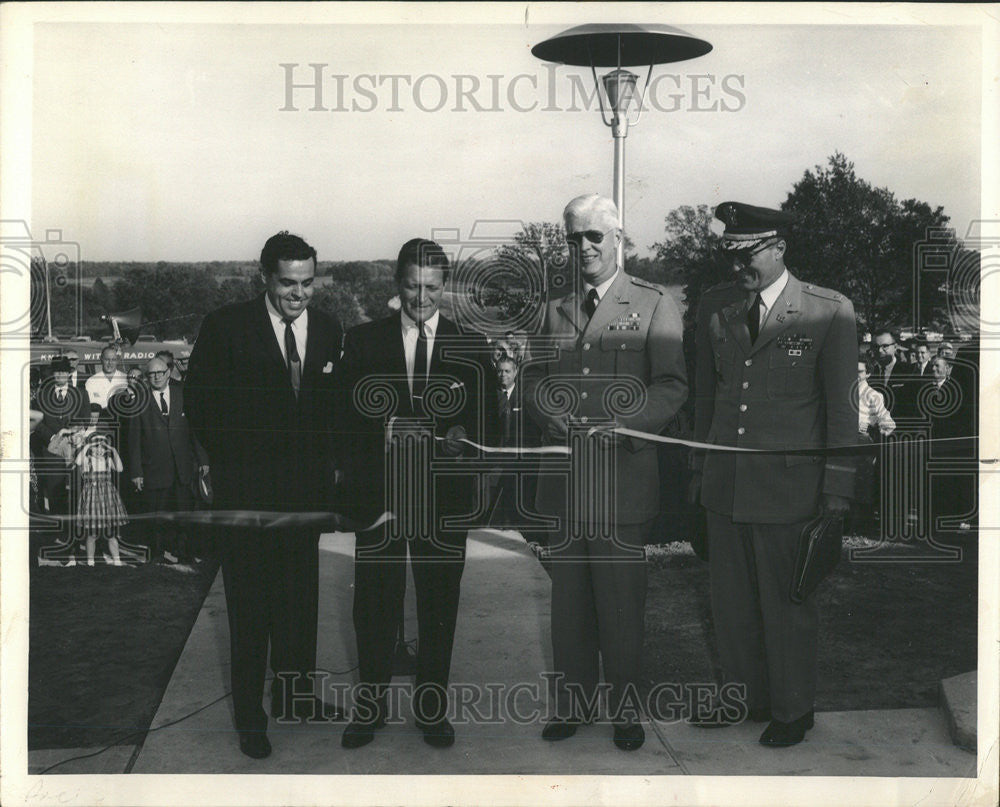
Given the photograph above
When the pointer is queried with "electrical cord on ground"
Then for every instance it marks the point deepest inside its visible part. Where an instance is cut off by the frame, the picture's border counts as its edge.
(151, 729)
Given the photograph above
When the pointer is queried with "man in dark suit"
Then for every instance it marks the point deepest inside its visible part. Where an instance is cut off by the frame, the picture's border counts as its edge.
(64, 407)
(616, 343)
(430, 377)
(508, 427)
(259, 395)
(162, 455)
(893, 377)
(776, 368)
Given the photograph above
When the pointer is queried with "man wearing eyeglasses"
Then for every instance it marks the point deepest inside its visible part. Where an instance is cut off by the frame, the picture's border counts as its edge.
(616, 342)
(893, 377)
(259, 393)
(101, 386)
(163, 454)
(776, 368)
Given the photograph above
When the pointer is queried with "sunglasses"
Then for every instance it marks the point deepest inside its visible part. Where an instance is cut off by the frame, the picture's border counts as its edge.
(593, 236)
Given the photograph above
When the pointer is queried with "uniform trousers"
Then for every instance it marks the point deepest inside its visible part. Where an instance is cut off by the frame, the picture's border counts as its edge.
(272, 587)
(379, 587)
(765, 641)
(598, 617)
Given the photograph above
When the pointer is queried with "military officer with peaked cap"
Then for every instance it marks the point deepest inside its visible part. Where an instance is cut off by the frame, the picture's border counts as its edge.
(776, 364)
(617, 343)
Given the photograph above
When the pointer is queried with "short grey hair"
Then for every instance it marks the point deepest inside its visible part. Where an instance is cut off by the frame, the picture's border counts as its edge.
(593, 204)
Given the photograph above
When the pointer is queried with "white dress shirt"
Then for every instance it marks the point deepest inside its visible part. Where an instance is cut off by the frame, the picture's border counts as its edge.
(165, 392)
(770, 295)
(409, 328)
(101, 386)
(603, 288)
(300, 330)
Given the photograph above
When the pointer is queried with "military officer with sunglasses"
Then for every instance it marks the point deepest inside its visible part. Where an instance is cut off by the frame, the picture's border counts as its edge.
(776, 365)
(611, 354)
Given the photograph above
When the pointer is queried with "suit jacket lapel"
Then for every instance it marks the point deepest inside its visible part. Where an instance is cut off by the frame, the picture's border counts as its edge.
(785, 311)
(269, 344)
(735, 316)
(315, 336)
(571, 308)
(392, 345)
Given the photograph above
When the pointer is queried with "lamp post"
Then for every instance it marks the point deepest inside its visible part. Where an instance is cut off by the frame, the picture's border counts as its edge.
(601, 45)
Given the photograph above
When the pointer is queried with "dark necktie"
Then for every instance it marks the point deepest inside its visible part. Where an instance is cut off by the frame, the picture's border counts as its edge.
(294, 363)
(163, 405)
(61, 394)
(419, 369)
(591, 304)
(753, 319)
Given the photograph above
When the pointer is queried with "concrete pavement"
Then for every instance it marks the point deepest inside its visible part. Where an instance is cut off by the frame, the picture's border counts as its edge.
(502, 639)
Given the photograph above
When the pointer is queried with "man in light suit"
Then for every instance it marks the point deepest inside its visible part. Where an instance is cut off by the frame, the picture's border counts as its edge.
(259, 394)
(162, 455)
(435, 376)
(616, 344)
(776, 368)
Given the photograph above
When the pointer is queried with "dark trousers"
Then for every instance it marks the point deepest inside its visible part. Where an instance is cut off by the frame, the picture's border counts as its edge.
(765, 641)
(598, 617)
(272, 585)
(164, 533)
(379, 586)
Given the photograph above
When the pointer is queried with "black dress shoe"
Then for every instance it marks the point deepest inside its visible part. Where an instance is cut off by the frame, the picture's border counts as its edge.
(314, 710)
(255, 744)
(439, 734)
(717, 720)
(559, 729)
(629, 736)
(360, 733)
(782, 735)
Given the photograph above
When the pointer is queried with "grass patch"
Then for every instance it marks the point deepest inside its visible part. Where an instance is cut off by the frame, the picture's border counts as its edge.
(104, 642)
(889, 631)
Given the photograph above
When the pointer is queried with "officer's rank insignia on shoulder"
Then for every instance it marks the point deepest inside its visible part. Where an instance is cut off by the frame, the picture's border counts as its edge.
(794, 343)
(819, 291)
(626, 322)
(645, 284)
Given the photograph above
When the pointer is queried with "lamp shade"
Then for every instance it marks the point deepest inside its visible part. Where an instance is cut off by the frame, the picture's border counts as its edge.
(603, 45)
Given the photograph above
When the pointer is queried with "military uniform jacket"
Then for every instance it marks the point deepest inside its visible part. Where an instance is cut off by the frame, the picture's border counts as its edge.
(625, 364)
(795, 387)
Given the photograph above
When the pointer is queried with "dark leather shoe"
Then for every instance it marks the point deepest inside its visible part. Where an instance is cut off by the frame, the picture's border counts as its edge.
(782, 735)
(439, 734)
(358, 733)
(718, 720)
(304, 709)
(255, 744)
(559, 729)
(629, 736)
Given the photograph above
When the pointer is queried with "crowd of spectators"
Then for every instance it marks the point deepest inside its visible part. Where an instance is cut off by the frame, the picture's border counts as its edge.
(108, 445)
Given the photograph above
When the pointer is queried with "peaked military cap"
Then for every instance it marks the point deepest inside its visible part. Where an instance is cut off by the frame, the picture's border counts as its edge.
(747, 226)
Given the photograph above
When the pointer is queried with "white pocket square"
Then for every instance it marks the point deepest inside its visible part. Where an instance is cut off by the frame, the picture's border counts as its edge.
(328, 368)
(456, 385)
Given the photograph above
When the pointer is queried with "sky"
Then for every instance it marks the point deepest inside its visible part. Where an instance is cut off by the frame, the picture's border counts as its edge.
(175, 141)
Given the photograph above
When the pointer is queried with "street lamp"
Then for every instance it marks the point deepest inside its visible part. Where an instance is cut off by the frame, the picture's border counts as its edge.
(601, 45)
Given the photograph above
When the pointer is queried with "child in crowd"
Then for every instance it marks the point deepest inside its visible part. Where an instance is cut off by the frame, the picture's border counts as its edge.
(100, 509)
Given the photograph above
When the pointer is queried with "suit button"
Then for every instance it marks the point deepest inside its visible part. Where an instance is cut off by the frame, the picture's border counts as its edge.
(583, 395)
(743, 407)
(623, 345)
(749, 362)
(741, 430)
(586, 345)
(583, 419)
(586, 371)
(746, 385)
